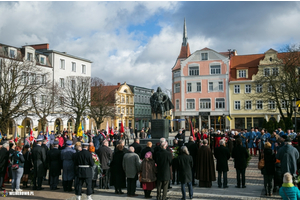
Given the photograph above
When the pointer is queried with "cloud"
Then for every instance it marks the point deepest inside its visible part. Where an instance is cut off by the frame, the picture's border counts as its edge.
(99, 31)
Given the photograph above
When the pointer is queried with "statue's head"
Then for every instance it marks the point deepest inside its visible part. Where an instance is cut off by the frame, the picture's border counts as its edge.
(158, 89)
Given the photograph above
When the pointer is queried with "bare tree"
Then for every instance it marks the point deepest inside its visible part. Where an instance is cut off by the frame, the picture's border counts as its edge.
(44, 106)
(102, 101)
(75, 97)
(19, 81)
(279, 83)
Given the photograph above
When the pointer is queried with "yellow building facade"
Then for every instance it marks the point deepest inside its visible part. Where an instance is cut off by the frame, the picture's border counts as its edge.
(124, 106)
(245, 110)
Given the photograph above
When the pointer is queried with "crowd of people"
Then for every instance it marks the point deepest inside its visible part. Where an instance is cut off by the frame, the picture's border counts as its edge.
(155, 166)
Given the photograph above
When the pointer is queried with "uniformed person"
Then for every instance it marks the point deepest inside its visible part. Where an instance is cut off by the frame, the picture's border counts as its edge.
(68, 166)
(39, 164)
(84, 162)
(55, 165)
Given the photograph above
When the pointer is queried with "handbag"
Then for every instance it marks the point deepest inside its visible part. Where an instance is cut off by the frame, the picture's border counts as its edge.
(140, 176)
(261, 163)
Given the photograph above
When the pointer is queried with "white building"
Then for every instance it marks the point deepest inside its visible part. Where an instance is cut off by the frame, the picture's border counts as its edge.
(58, 66)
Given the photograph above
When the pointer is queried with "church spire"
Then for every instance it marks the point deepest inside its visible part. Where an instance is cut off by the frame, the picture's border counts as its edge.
(185, 48)
(184, 42)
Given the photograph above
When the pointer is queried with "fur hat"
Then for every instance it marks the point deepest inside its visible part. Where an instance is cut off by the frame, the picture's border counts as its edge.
(287, 178)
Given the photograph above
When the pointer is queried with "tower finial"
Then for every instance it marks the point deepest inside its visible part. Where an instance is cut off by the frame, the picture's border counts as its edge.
(184, 42)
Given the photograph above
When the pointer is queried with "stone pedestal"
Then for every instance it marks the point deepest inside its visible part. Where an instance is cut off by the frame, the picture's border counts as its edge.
(159, 128)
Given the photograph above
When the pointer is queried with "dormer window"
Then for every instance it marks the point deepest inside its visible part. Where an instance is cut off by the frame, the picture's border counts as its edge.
(12, 53)
(204, 56)
(271, 59)
(42, 60)
(29, 56)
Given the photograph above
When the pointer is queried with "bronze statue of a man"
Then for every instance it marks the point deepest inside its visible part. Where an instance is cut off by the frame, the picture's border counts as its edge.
(160, 102)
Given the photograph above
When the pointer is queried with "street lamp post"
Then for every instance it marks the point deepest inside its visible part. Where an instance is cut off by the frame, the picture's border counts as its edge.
(223, 122)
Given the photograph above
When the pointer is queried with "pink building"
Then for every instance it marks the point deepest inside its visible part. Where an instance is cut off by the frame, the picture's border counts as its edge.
(200, 87)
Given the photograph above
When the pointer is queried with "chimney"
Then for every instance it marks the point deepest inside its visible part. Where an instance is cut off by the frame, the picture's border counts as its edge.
(40, 46)
(119, 84)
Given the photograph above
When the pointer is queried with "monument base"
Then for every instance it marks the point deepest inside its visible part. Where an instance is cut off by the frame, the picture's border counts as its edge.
(159, 128)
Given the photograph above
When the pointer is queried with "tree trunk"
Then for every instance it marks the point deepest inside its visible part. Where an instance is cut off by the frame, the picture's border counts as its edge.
(77, 123)
(4, 126)
(98, 123)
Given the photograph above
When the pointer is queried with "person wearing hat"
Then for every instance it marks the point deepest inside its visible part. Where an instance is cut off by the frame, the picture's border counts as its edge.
(52, 138)
(39, 164)
(288, 156)
(84, 161)
(148, 173)
(68, 166)
(251, 137)
(288, 190)
(55, 165)
(41, 135)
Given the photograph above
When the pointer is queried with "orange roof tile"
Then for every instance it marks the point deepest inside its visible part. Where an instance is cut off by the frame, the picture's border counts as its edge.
(177, 65)
(249, 62)
(185, 51)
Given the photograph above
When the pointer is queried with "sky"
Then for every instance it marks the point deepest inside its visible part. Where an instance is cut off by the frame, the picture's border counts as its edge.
(139, 42)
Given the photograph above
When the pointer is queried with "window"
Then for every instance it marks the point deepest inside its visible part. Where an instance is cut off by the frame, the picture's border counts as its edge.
(176, 74)
(42, 60)
(189, 87)
(204, 56)
(73, 67)
(123, 100)
(271, 89)
(127, 111)
(177, 104)
(33, 78)
(237, 105)
(25, 77)
(130, 110)
(220, 85)
(194, 71)
(247, 88)
(215, 69)
(73, 84)
(119, 109)
(236, 89)
(204, 104)
(30, 56)
(220, 103)
(43, 99)
(283, 104)
(83, 69)
(259, 105)
(12, 53)
(266, 72)
(248, 105)
(62, 64)
(177, 88)
(283, 87)
(43, 79)
(210, 86)
(123, 109)
(259, 88)
(275, 71)
(62, 83)
(127, 100)
(271, 104)
(190, 104)
(242, 73)
(239, 123)
(198, 86)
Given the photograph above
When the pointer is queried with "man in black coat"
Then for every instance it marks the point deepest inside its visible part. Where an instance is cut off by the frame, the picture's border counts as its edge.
(84, 162)
(193, 149)
(240, 155)
(55, 165)
(184, 164)
(146, 149)
(105, 156)
(137, 146)
(163, 161)
(4, 155)
(39, 164)
(222, 155)
(44, 145)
